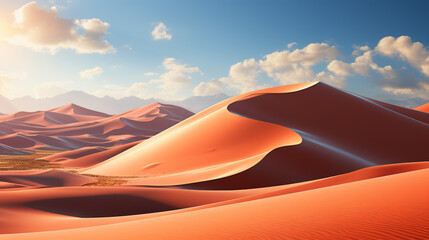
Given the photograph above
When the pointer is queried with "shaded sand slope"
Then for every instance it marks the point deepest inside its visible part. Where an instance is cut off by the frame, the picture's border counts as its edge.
(72, 127)
(43, 178)
(276, 136)
(7, 150)
(352, 210)
(71, 207)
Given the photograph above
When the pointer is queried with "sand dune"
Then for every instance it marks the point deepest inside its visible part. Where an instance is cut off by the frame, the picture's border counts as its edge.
(304, 161)
(349, 205)
(44, 178)
(423, 108)
(73, 127)
(281, 135)
(7, 150)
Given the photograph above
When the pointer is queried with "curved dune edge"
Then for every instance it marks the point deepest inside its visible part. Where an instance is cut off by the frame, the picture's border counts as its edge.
(149, 159)
(352, 209)
(223, 156)
(423, 108)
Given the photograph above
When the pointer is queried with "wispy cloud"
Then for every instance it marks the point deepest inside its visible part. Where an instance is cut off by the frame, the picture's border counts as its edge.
(90, 73)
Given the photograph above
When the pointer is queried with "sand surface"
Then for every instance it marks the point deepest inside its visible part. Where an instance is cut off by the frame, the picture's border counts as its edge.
(304, 161)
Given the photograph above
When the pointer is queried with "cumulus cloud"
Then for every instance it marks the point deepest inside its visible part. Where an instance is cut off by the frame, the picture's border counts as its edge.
(44, 30)
(160, 32)
(172, 81)
(290, 67)
(413, 52)
(209, 88)
(332, 79)
(50, 89)
(243, 76)
(305, 57)
(339, 68)
(286, 67)
(90, 73)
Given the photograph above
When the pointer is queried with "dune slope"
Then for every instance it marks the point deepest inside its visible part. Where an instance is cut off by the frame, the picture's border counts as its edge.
(275, 136)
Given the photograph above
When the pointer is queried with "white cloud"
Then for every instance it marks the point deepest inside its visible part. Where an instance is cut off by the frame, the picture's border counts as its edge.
(160, 32)
(209, 88)
(305, 57)
(290, 67)
(171, 64)
(290, 45)
(414, 52)
(332, 79)
(242, 76)
(137, 89)
(90, 73)
(174, 79)
(50, 89)
(166, 85)
(339, 68)
(287, 67)
(44, 30)
(421, 91)
(151, 74)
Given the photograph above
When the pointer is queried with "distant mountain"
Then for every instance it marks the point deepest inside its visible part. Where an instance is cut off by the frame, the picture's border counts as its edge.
(6, 106)
(104, 104)
(199, 103)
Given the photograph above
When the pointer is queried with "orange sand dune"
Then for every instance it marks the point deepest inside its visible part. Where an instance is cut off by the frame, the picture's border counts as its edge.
(73, 127)
(44, 178)
(304, 161)
(73, 154)
(48, 205)
(354, 209)
(97, 157)
(423, 108)
(275, 136)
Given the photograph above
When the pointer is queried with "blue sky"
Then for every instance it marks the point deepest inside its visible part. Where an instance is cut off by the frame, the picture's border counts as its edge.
(215, 47)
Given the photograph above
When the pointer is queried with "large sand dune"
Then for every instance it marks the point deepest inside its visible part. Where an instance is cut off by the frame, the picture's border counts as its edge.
(276, 136)
(305, 161)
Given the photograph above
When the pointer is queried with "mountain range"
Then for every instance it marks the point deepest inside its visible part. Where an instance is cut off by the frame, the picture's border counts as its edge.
(104, 104)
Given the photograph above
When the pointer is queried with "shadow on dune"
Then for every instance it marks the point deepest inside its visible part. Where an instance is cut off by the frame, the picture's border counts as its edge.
(109, 205)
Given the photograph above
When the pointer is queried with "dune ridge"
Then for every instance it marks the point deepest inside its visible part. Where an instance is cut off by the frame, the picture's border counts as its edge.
(302, 142)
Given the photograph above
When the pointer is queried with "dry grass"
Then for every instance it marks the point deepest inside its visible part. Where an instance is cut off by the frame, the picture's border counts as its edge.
(105, 180)
(33, 161)
(27, 162)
